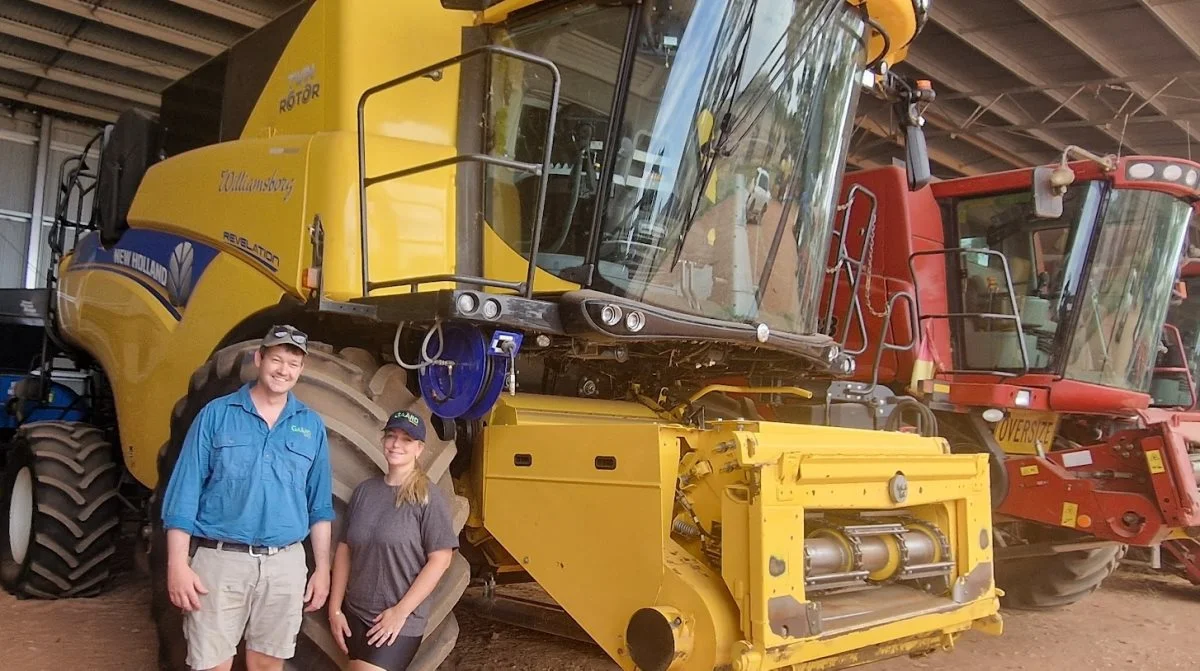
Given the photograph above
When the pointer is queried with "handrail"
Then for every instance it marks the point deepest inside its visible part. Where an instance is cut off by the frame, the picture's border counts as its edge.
(1175, 339)
(852, 269)
(1015, 317)
(542, 170)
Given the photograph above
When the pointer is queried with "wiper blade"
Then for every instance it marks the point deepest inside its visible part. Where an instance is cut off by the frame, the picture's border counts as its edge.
(722, 142)
(716, 144)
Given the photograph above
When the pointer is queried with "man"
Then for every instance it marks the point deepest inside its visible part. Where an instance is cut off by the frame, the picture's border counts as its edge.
(252, 481)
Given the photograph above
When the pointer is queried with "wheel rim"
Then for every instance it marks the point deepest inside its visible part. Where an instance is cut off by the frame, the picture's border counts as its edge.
(20, 514)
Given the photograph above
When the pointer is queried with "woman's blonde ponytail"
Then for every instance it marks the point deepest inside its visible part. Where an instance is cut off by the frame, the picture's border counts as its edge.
(415, 489)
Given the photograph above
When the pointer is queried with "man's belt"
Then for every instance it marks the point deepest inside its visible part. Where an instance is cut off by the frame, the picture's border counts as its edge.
(253, 550)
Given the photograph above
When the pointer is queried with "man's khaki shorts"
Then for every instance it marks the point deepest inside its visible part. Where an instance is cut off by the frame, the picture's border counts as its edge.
(260, 596)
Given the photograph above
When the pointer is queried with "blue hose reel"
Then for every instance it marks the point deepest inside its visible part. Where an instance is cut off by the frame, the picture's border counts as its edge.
(466, 379)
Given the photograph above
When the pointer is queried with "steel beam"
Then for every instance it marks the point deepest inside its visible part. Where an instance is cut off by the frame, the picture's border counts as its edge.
(1019, 63)
(945, 121)
(58, 104)
(226, 11)
(1001, 109)
(137, 25)
(1174, 17)
(1092, 46)
(82, 47)
(33, 246)
(1180, 119)
(86, 82)
(1183, 75)
(947, 159)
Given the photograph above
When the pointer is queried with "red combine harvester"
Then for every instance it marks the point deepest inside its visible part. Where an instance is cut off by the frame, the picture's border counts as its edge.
(1040, 297)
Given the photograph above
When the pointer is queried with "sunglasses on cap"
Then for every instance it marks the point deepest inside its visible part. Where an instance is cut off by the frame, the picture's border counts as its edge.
(282, 334)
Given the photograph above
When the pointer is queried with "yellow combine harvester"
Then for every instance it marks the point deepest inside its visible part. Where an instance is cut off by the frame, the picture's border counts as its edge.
(588, 239)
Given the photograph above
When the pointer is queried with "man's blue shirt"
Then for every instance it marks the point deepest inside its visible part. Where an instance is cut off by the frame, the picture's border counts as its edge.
(238, 481)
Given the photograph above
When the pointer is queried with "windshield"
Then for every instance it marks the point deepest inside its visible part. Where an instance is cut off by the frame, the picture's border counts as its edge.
(1045, 258)
(1125, 300)
(1091, 286)
(722, 166)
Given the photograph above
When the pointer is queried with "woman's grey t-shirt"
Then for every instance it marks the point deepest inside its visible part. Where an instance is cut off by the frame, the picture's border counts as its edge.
(389, 546)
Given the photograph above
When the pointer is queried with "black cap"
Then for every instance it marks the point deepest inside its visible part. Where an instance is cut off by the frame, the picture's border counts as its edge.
(282, 334)
(408, 422)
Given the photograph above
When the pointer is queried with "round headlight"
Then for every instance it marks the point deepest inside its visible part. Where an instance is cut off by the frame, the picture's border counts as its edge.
(610, 315)
(1141, 171)
(491, 308)
(634, 321)
(467, 303)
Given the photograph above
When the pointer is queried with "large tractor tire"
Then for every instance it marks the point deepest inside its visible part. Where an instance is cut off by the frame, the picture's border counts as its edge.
(60, 511)
(1053, 581)
(354, 394)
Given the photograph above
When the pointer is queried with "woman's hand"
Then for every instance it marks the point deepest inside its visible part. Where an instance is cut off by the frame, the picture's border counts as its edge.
(387, 627)
(340, 629)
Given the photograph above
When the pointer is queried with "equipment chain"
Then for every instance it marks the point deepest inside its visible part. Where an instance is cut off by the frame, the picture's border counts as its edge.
(869, 266)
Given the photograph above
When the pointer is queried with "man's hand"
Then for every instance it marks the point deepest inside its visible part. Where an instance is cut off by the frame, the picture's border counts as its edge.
(184, 587)
(387, 627)
(318, 590)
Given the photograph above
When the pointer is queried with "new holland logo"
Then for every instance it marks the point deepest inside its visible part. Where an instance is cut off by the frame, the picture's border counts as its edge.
(179, 274)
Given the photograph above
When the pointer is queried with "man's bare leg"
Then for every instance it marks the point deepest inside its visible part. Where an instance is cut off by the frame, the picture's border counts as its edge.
(223, 666)
(256, 661)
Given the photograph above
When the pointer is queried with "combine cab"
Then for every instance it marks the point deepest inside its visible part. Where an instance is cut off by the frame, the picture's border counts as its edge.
(1041, 299)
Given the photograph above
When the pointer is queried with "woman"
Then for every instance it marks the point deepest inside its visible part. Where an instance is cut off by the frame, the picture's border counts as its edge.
(398, 542)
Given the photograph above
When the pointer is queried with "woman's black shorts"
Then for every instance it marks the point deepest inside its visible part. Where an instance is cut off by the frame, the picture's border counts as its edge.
(394, 657)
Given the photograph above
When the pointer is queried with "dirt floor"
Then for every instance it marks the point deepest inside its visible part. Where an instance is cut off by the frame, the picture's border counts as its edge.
(1136, 621)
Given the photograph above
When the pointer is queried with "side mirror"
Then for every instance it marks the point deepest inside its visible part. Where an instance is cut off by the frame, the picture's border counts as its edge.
(916, 158)
(907, 105)
(1049, 185)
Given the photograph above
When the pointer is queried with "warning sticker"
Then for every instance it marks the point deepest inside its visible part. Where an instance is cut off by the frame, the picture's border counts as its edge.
(1029, 470)
(1077, 459)
(1155, 461)
(1070, 512)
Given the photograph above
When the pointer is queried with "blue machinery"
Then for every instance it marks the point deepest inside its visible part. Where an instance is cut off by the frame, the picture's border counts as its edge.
(466, 371)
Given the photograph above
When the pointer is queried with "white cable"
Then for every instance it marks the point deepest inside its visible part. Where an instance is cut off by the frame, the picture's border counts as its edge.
(426, 359)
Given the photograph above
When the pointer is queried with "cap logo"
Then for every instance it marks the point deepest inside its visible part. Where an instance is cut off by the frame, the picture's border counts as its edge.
(406, 416)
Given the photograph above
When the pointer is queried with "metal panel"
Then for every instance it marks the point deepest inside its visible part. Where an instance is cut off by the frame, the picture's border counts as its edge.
(12, 252)
(16, 176)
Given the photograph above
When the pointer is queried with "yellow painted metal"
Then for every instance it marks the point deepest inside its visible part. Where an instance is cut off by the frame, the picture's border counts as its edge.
(898, 19)
(148, 355)
(502, 262)
(500, 11)
(759, 480)
(1026, 431)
